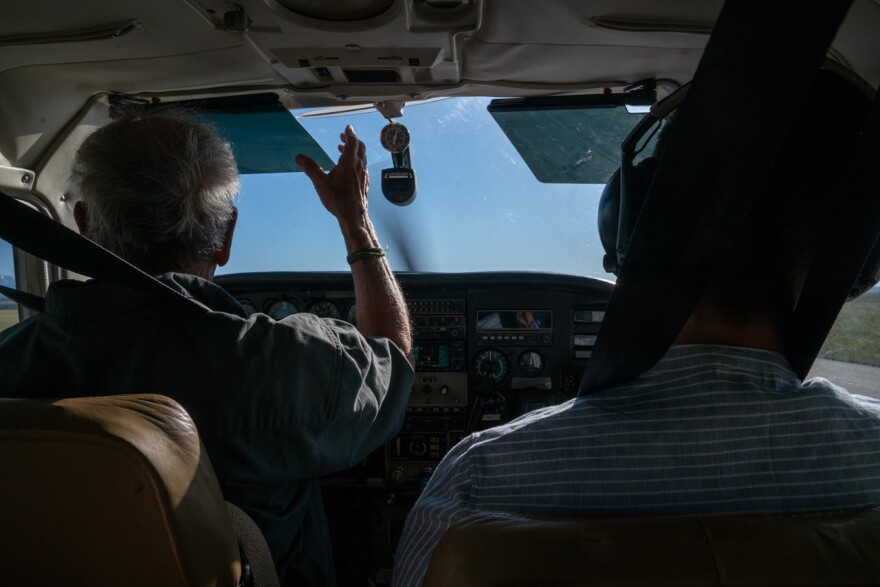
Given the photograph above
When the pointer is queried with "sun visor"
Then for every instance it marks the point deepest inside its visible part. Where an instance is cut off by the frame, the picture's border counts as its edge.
(569, 139)
(265, 136)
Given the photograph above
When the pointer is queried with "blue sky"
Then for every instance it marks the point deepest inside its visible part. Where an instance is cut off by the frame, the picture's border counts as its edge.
(6, 263)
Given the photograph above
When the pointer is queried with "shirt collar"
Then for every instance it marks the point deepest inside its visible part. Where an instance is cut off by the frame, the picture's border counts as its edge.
(72, 300)
(731, 358)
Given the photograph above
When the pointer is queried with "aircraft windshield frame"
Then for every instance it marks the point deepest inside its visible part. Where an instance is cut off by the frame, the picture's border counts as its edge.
(478, 208)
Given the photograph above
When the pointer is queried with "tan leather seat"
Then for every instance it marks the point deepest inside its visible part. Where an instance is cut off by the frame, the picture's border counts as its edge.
(109, 491)
(517, 551)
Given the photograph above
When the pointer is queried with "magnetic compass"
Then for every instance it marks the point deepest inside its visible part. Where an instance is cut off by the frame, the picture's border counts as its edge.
(394, 137)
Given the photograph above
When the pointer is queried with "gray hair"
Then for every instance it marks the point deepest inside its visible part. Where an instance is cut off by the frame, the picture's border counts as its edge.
(159, 190)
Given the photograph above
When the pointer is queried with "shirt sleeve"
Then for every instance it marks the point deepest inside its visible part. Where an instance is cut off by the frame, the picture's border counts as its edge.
(303, 397)
(368, 408)
(445, 501)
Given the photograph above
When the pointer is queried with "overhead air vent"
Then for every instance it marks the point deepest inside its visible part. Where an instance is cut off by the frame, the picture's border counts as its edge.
(96, 33)
(369, 58)
(444, 4)
(371, 76)
(649, 24)
(338, 11)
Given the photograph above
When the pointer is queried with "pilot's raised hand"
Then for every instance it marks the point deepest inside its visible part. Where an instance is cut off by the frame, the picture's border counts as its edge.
(381, 310)
(343, 190)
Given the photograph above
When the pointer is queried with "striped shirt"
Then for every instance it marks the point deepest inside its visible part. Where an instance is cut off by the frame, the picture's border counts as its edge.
(709, 430)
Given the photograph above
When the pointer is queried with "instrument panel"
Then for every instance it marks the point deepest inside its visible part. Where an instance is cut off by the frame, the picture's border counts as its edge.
(488, 347)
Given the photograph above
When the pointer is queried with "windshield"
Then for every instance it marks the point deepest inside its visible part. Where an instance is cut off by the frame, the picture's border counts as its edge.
(8, 308)
(478, 208)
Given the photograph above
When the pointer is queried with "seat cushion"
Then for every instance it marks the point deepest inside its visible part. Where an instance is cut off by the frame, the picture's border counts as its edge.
(512, 551)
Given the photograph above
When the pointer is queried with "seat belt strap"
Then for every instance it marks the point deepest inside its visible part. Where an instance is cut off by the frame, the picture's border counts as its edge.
(725, 145)
(848, 241)
(33, 232)
(23, 298)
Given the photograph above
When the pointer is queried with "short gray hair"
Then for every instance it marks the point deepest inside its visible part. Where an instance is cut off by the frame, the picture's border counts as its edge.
(159, 190)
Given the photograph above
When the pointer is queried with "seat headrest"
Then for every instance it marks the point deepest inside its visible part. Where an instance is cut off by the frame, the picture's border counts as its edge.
(110, 490)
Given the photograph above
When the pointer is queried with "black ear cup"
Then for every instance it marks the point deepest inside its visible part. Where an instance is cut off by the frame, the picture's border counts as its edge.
(639, 178)
(609, 210)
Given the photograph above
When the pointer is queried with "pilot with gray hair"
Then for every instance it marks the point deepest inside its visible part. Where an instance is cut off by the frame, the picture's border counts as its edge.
(277, 403)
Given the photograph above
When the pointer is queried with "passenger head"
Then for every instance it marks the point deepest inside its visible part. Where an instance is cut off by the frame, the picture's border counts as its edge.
(764, 270)
(159, 191)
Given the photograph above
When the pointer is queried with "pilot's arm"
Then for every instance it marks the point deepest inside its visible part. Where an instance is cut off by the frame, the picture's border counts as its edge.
(381, 310)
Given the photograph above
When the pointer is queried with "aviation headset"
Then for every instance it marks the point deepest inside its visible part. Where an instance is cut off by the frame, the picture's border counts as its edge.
(624, 195)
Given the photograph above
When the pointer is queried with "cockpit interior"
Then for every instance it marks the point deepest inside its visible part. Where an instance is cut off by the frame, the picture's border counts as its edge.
(491, 129)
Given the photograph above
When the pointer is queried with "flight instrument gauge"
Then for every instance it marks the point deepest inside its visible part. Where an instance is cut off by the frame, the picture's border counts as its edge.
(530, 364)
(324, 309)
(394, 137)
(281, 309)
(491, 365)
(351, 314)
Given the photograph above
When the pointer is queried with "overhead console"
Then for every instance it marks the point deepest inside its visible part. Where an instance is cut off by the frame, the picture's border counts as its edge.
(366, 42)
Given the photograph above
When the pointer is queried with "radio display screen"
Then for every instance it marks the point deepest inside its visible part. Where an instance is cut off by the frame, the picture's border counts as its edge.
(514, 320)
(431, 356)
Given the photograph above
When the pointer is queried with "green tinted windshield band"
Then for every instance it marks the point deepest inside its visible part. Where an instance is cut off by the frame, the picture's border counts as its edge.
(567, 145)
(265, 136)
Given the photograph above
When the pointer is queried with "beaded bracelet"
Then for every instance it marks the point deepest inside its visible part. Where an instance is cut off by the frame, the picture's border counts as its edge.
(365, 254)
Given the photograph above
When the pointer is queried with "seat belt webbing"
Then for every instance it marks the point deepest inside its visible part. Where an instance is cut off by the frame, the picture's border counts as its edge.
(23, 298)
(39, 235)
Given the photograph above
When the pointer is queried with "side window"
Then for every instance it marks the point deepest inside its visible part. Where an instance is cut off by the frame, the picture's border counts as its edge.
(851, 354)
(8, 308)
(855, 336)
